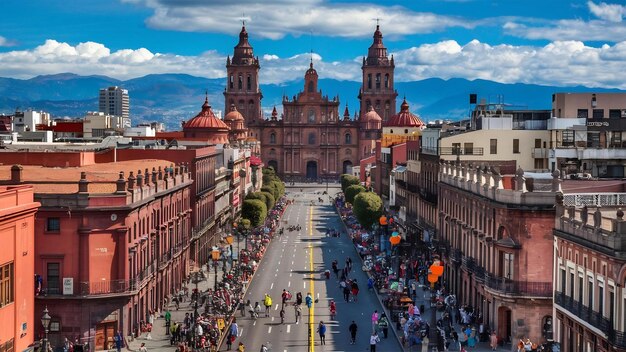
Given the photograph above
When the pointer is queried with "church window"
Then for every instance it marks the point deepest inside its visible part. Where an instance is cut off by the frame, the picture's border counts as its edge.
(249, 83)
(240, 82)
(369, 81)
(348, 138)
(387, 110)
(311, 115)
(272, 138)
(312, 138)
(378, 81)
(377, 104)
(231, 82)
(311, 87)
(387, 80)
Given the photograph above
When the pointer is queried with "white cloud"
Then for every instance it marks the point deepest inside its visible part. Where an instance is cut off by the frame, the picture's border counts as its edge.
(6, 42)
(607, 12)
(557, 63)
(594, 30)
(276, 19)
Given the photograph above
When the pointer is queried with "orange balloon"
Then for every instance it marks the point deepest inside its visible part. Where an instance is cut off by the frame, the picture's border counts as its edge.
(394, 240)
(432, 278)
(436, 270)
(383, 220)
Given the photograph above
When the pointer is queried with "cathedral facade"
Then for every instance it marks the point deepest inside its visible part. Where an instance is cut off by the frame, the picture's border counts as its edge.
(310, 139)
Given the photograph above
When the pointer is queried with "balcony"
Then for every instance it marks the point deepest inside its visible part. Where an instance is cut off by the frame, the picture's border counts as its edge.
(456, 255)
(518, 288)
(460, 151)
(540, 153)
(585, 314)
(106, 287)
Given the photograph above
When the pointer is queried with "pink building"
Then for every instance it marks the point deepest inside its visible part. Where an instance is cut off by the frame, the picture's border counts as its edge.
(112, 241)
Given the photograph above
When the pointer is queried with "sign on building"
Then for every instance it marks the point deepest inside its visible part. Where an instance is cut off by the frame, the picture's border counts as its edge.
(68, 285)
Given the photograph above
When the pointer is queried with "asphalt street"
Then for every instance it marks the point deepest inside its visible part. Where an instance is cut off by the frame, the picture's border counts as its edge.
(296, 261)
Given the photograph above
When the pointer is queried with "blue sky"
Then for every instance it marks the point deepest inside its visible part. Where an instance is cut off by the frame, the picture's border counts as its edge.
(543, 42)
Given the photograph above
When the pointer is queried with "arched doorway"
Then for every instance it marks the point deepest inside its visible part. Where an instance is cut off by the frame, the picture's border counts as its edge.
(504, 323)
(273, 164)
(311, 169)
(347, 166)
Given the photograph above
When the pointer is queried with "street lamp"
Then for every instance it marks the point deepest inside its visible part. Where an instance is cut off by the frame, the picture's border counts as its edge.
(215, 255)
(45, 321)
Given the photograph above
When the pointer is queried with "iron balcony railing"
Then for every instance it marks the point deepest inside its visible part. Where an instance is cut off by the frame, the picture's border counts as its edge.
(460, 151)
(106, 287)
(520, 288)
(583, 312)
(456, 255)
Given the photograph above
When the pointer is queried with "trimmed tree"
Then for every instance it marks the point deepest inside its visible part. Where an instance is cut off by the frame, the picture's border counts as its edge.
(254, 210)
(269, 200)
(352, 192)
(347, 181)
(367, 208)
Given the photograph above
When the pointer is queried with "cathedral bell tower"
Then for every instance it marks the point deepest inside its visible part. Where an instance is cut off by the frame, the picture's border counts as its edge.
(242, 85)
(377, 89)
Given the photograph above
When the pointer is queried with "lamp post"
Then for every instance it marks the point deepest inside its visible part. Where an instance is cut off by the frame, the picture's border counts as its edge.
(215, 255)
(45, 321)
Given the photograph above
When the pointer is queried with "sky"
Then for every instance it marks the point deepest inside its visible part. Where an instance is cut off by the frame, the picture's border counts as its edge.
(549, 42)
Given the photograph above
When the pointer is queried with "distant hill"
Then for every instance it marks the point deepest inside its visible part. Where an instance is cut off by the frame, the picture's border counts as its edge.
(171, 98)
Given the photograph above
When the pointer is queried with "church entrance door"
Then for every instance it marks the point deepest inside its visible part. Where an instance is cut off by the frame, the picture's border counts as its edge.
(311, 170)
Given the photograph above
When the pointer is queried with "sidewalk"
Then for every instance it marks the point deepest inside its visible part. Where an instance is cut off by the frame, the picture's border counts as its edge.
(159, 340)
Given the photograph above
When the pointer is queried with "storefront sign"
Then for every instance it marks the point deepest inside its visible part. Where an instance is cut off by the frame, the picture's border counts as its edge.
(68, 286)
(606, 124)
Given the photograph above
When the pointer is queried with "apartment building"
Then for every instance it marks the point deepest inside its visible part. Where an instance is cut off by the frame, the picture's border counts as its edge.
(114, 101)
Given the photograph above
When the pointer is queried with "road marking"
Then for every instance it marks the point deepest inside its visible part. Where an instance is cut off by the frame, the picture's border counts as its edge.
(272, 286)
(288, 328)
(240, 331)
(275, 308)
(269, 330)
(254, 323)
(304, 284)
(289, 284)
(292, 262)
(275, 275)
(312, 284)
(290, 274)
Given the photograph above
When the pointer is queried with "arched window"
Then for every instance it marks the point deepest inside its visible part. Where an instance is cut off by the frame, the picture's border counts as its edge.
(406, 131)
(240, 82)
(377, 105)
(312, 138)
(272, 151)
(272, 138)
(348, 138)
(369, 81)
(391, 131)
(311, 115)
(311, 87)
(387, 80)
(249, 83)
(231, 82)
(378, 81)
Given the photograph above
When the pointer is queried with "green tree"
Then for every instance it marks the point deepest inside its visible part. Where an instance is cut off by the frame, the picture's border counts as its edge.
(367, 208)
(352, 192)
(269, 200)
(254, 210)
(347, 181)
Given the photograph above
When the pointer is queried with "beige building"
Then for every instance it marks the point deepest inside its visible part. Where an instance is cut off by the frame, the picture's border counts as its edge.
(588, 134)
(99, 124)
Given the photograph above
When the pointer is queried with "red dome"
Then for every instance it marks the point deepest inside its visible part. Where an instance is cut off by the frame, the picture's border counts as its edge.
(233, 115)
(206, 119)
(405, 118)
(372, 115)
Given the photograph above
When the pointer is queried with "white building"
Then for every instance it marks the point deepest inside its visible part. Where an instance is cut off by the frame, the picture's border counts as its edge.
(140, 131)
(28, 120)
(114, 101)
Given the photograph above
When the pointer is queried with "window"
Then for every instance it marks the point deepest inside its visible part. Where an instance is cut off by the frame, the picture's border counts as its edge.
(6, 284)
(311, 115)
(568, 138)
(369, 81)
(312, 138)
(456, 148)
(493, 146)
(562, 280)
(249, 83)
(378, 81)
(598, 113)
(469, 148)
(272, 138)
(571, 284)
(590, 293)
(508, 266)
(387, 80)
(311, 87)
(516, 146)
(616, 139)
(601, 300)
(231, 82)
(593, 139)
(615, 114)
(580, 289)
(348, 138)
(54, 284)
(583, 113)
(240, 82)
(53, 225)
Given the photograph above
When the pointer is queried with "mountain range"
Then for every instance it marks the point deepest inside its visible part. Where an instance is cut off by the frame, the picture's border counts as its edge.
(172, 98)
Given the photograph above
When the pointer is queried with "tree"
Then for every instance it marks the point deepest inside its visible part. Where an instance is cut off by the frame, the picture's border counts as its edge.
(269, 200)
(367, 208)
(347, 181)
(352, 192)
(254, 210)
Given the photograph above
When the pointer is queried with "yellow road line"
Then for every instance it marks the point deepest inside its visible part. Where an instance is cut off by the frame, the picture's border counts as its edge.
(311, 284)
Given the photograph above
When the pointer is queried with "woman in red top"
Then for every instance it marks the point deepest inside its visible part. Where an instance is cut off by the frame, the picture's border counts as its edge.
(333, 310)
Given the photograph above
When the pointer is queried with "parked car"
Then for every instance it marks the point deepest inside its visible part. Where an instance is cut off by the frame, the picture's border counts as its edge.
(580, 176)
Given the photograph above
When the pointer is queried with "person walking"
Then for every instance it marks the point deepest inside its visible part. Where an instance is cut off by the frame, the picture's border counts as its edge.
(373, 341)
(284, 296)
(168, 320)
(346, 291)
(321, 329)
(335, 268)
(282, 315)
(374, 320)
(298, 309)
(143, 347)
(267, 301)
(333, 309)
(309, 300)
(119, 341)
(355, 290)
(383, 324)
(299, 298)
(353, 328)
(493, 341)
(232, 333)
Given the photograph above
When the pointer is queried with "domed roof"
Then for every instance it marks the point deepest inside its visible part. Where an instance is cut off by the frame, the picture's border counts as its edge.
(311, 70)
(206, 119)
(405, 118)
(233, 114)
(372, 115)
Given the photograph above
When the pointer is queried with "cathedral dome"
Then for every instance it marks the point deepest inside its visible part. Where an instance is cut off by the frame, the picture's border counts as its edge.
(206, 119)
(405, 118)
(372, 115)
(311, 71)
(233, 114)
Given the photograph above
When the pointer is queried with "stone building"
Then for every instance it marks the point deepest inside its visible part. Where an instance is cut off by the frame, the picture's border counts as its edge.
(310, 139)
(498, 239)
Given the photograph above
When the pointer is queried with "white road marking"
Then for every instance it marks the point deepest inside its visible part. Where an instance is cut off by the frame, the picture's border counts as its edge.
(254, 323)
(275, 275)
(292, 262)
(272, 286)
(269, 330)
(289, 284)
(304, 285)
(272, 318)
(240, 331)
(275, 308)
(290, 274)
(288, 328)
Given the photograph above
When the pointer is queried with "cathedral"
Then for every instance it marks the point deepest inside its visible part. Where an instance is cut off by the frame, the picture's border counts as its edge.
(310, 139)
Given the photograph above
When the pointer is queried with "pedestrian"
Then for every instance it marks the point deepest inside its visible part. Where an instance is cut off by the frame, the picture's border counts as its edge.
(321, 329)
(383, 324)
(233, 333)
(298, 309)
(353, 328)
(493, 341)
(119, 341)
(299, 298)
(309, 300)
(284, 296)
(374, 320)
(355, 290)
(346, 291)
(241, 347)
(267, 301)
(335, 268)
(143, 347)
(333, 309)
(349, 264)
(282, 315)
(168, 319)
(373, 341)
